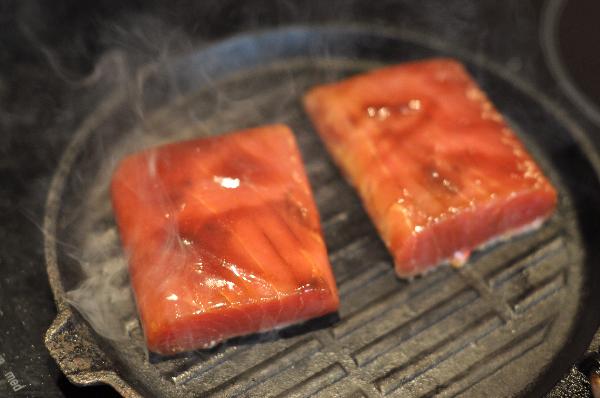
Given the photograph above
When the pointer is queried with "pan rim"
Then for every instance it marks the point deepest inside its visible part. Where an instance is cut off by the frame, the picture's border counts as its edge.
(106, 107)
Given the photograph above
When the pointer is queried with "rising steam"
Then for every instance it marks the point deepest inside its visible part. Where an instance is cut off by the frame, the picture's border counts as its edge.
(157, 101)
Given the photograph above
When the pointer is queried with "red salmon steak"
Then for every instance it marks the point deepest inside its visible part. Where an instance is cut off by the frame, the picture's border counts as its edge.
(223, 238)
(438, 170)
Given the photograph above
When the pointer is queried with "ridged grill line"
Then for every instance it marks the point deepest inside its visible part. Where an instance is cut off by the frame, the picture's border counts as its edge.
(544, 249)
(300, 373)
(407, 355)
(195, 369)
(355, 304)
(497, 359)
(380, 381)
(356, 380)
(361, 280)
(268, 368)
(378, 307)
(439, 352)
(348, 265)
(316, 382)
(271, 366)
(550, 247)
(480, 361)
(500, 255)
(351, 248)
(546, 289)
(542, 291)
(196, 366)
(497, 303)
(538, 293)
(413, 327)
(491, 285)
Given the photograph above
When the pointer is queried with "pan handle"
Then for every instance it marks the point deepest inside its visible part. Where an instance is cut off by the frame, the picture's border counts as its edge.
(72, 346)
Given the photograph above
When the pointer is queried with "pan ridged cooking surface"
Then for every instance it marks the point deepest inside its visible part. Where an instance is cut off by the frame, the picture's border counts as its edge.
(505, 322)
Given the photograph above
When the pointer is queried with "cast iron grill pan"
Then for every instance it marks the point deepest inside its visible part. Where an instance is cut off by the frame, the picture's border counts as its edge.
(508, 323)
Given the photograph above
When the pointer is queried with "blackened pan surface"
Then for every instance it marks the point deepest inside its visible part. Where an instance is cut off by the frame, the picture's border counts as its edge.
(508, 323)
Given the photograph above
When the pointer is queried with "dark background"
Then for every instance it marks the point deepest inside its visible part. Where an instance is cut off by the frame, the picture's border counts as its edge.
(49, 48)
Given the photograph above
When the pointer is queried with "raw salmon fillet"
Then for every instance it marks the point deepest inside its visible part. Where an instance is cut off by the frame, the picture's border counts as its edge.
(223, 238)
(438, 170)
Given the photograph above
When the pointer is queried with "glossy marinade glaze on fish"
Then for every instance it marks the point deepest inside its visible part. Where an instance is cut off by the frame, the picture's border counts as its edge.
(223, 238)
(438, 170)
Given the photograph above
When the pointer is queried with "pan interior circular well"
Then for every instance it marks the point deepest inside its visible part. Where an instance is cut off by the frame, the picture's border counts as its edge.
(510, 321)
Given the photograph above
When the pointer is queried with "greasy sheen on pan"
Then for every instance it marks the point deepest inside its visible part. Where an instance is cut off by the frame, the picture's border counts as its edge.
(223, 238)
(438, 170)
